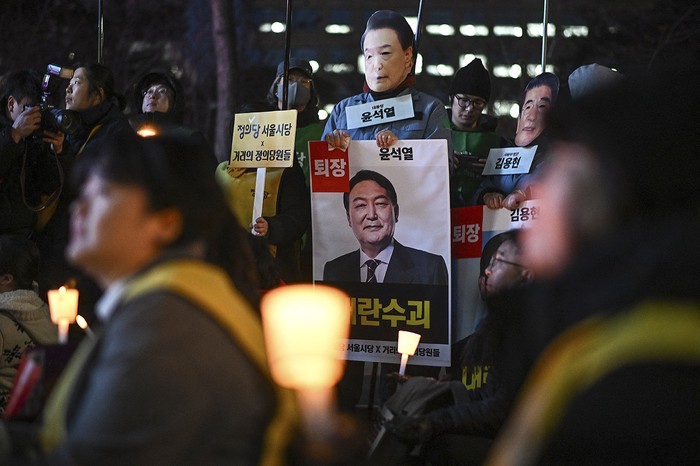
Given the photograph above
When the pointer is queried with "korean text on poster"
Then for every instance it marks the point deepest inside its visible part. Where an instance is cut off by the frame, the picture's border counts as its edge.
(263, 139)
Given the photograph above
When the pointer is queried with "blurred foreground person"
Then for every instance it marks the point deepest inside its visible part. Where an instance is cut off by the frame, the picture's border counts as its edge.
(178, 373)
(620, 312)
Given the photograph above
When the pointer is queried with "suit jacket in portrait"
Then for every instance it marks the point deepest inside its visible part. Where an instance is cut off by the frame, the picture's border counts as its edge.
(407, 265)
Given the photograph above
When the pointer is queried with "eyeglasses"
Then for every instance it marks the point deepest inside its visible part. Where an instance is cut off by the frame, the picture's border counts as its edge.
(156, 92)
(302, 81)
(496, 259)
(463, 102)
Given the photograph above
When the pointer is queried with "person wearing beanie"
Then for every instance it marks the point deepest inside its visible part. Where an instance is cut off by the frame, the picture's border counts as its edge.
(472, 131)
(510, 191)
(158, 105)
(388, 49)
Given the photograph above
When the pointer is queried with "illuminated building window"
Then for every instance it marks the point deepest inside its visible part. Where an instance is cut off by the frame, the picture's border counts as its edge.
(535, 29)
(574, 31)
(507, 71)
(502, 30)
(506, 108)
(440, 29)
(338, 68)
(440, 70)
(474, 30)
(338, 29)
(328, 108)
(275, 27)
(533, 70)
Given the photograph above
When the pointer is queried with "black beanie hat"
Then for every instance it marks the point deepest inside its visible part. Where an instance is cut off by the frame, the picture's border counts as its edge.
(387, 19)
(472, 79)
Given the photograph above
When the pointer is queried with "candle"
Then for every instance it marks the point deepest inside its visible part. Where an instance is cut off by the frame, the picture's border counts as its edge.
(305, 327)
(82, 323)
(63, 305)
(408, 343)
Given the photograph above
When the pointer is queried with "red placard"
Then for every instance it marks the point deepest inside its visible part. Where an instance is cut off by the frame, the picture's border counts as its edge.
(329, 169)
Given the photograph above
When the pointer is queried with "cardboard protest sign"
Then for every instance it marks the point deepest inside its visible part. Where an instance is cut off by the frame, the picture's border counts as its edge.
(391, 205)
(263, 139)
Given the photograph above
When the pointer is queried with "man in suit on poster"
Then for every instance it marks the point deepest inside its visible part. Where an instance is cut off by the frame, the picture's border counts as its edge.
(372, 210)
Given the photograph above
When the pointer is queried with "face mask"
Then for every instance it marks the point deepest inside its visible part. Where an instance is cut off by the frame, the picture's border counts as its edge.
(298, 95)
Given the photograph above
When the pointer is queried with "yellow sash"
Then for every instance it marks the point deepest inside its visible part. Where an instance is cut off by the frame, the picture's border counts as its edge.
(654, 331)
(210, 288)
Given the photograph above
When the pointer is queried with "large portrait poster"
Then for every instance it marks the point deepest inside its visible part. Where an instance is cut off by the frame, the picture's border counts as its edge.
(398, 215)
(472, 229)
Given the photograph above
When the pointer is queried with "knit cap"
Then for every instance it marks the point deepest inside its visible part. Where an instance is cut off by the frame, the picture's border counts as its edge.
(472, 79)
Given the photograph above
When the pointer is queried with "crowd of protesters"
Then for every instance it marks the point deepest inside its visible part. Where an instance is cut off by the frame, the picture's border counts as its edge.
(594, 312)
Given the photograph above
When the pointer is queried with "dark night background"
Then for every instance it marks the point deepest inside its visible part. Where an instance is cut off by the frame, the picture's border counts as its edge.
(224, 57)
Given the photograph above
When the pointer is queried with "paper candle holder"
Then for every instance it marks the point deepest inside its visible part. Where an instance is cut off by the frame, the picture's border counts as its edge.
(63, 305)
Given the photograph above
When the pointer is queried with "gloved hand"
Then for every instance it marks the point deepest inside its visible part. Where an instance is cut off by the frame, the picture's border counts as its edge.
(413, 430)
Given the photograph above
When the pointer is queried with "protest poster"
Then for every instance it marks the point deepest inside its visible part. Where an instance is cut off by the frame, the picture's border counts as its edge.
(411, 291)
(263, 139)
(472, 228)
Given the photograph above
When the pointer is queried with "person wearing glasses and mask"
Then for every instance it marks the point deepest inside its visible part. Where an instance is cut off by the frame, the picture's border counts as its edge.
(158, 105)
(473, 132)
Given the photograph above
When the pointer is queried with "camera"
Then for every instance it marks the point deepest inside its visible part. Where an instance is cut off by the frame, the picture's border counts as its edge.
(52, 118)
(56, 119)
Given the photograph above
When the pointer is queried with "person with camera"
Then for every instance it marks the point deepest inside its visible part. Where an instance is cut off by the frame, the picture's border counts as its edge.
(91, 93)
(28, 168)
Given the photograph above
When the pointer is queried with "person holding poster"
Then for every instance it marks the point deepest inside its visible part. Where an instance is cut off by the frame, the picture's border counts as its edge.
(511, 190)
(372, 210)
(473, 132)
(389, 108)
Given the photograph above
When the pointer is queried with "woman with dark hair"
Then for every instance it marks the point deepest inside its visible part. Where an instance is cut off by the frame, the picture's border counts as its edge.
(24, 317)
(178, 373)
(91, 93)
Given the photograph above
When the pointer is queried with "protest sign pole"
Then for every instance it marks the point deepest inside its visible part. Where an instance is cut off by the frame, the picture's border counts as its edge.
(418, 34)
(545, 21)
(259, 194)
(260, 177)
(287, 55)
(100, 30)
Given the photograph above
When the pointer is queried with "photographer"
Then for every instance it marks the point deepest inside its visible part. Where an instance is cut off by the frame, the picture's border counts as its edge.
(28, 169)
(90, 92)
